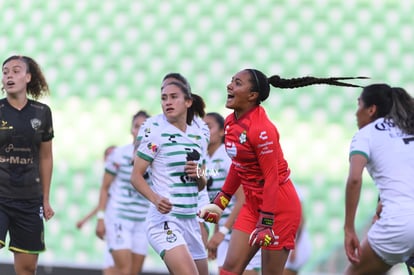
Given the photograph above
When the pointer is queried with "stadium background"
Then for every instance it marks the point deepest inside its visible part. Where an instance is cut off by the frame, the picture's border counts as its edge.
(104, 60)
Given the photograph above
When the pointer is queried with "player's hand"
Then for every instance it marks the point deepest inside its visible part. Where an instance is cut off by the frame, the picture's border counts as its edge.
(212, 212)
(263, 235)
(80, 223)
(163, 205)
(48, 212)
(215, 241)
(100, 229)
(352, 246)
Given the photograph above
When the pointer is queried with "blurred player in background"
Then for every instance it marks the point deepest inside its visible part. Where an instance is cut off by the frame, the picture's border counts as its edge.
(299, 256)
(122, 210)
(108, 265)
(26, 134)
(384, 145)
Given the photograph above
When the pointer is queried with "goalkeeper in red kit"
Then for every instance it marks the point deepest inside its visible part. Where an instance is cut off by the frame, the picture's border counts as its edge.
(270, 217)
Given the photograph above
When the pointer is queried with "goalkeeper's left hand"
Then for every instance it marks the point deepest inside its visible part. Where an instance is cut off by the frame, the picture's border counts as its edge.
(263, 235)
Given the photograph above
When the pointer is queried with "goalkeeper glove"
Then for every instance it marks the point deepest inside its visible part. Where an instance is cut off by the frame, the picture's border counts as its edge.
(263, 235)
(212, 212)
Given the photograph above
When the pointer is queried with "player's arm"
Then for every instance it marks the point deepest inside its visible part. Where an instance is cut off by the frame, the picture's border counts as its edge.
(265, 141)
(352, 195)
(267, 149)
(162, 204)
(107, 180)
(45, 168)
(87, 217)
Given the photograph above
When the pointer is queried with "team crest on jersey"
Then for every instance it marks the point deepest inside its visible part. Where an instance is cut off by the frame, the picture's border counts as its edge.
(152, 147)
(35, 123)
(171, 237)
(242, 137)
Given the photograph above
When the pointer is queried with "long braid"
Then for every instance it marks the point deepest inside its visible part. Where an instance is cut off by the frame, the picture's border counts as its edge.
(277, 81)
(261, 83)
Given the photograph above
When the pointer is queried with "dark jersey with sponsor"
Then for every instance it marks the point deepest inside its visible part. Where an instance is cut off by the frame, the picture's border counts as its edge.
(21, 132)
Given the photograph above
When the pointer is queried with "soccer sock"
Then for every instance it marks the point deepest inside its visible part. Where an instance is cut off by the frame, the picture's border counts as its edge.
(225, 272)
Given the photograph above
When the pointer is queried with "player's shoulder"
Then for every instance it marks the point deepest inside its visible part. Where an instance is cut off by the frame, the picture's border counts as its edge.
(155, 121)
(38, 104)
(153, 124)
(259, 121)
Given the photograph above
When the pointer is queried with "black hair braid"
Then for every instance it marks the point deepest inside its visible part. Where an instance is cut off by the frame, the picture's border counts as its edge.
(277, 81)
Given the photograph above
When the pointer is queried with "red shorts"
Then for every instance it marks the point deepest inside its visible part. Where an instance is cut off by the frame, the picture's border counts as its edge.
(287, 216)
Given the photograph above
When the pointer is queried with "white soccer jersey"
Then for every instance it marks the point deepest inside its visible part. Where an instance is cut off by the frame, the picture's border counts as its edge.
(167, 148)
(390, 155)
(217, 168)
(124, 200)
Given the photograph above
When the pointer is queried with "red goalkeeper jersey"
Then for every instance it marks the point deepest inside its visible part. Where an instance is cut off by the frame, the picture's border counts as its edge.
(252, 141)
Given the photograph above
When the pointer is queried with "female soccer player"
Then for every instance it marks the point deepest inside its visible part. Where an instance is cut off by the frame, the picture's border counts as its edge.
(217, 166)
(122, 210)
(174, 148)
(271, 214)
(384, 145)
(26, 134)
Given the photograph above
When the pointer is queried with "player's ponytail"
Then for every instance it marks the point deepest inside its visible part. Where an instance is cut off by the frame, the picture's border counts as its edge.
(261, 83)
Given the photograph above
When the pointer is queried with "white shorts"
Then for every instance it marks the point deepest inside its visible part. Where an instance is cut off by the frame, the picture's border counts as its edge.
(124, 234)
(108, 260)
(167, 234)
(392, 238)
(303, 251)
(254, 264)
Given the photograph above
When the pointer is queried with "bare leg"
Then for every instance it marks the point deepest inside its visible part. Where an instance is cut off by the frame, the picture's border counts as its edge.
(202, 266)
(369, 263)
(25, 264)
(239, 252)
(180, 262)
(273, 261)
(123, 261)
(137, 263)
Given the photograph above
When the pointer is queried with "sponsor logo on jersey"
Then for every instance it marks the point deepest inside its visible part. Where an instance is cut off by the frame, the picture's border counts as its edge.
(16, 160)
(231, 149)
(263, 135)
(4, 126)
(152, 147)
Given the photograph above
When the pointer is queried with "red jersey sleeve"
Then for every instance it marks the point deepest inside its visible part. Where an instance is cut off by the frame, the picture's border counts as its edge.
(232, 182)
(265, 141)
